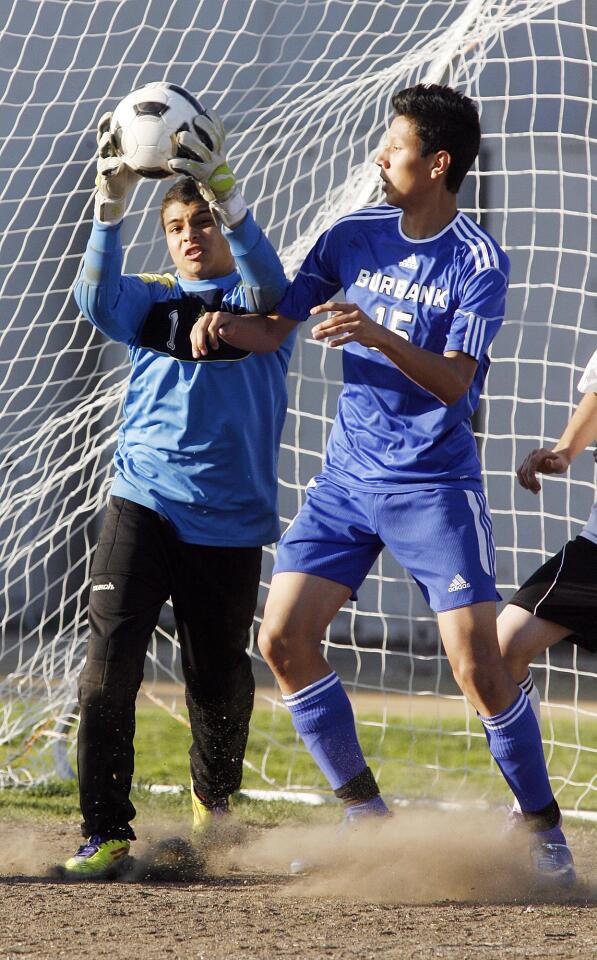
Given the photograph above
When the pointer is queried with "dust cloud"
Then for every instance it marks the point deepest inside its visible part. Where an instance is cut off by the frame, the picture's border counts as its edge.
(418, 856)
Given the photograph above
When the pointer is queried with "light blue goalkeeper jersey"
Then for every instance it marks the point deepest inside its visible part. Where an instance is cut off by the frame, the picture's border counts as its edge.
(199, 441)
(443, 293)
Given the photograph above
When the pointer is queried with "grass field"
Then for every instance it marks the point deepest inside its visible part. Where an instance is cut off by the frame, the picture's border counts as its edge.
(411, 757)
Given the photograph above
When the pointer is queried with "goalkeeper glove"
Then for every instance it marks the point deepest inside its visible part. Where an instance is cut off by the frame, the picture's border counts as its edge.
(200, 155)
(114, 179)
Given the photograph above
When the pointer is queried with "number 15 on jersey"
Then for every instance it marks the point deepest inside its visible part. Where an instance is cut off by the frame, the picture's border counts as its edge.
(396, 317)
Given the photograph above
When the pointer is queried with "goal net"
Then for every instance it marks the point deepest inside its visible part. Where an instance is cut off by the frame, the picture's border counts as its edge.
(304, 88)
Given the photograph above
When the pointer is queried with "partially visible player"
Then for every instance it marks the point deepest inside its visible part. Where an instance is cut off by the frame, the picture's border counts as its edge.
(425, 293)
(558, 601)
(194, 496)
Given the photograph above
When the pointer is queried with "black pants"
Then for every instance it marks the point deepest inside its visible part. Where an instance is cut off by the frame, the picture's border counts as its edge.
(138, 565)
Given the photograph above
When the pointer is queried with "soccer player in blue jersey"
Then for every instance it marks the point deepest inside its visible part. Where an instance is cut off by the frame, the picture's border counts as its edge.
(425, 291)
(194, 496)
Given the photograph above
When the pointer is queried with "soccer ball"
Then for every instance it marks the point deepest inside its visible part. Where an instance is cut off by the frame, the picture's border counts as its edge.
(144, 126)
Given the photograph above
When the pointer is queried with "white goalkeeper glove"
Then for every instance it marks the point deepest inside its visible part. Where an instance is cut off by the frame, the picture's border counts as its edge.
(114, 179)
(200, 155)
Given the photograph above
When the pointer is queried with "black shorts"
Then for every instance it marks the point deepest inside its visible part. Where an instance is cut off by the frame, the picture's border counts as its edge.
(564, 591)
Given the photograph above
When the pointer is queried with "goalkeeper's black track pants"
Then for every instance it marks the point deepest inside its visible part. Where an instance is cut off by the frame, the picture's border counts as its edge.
(138, 565)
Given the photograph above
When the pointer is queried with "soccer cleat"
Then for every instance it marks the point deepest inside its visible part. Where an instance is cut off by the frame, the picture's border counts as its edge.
(98, 858)
(207, 815)
(551, 857)
(553, 863)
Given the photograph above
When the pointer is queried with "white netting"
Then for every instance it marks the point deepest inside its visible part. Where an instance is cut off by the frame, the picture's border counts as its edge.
(304, 88)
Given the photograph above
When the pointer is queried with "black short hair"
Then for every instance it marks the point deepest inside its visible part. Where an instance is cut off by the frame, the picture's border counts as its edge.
(444, 120)
(184, 191)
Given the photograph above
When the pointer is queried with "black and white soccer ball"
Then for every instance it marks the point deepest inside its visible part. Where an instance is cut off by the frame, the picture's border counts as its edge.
(144, 126)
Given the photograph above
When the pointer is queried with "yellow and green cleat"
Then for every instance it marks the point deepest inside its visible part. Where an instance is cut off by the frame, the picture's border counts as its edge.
(98, 858)
(206, 816)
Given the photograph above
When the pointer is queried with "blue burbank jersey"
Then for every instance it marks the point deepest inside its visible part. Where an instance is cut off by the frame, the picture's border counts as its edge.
(199, 441)
(443, 293)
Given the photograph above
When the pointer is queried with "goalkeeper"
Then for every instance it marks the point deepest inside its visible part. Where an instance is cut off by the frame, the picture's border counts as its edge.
(194, 495)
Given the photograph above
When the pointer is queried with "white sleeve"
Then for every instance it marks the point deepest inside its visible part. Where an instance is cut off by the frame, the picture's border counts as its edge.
(588, 381)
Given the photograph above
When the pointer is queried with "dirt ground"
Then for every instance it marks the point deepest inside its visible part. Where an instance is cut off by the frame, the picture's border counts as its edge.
(425, 885)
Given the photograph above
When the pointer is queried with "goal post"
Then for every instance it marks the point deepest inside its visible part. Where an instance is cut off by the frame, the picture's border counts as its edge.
(304, 89)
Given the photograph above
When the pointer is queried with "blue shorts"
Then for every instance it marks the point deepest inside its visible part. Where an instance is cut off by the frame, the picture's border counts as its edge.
(442, 537)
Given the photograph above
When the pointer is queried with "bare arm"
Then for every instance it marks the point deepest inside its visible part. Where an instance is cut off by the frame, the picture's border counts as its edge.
(259, 333)
(581, 430)
(447, 376)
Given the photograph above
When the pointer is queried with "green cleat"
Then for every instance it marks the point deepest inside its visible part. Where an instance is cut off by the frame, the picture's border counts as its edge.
(99, 858)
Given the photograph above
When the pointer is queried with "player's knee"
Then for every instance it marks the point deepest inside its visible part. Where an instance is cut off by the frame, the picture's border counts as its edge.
(512, 642)
(270, 643)
(102, 689)
(217, 659)
(90, 681)
(99, 712)
(276, 644)
(224, 681)
(507, 634)
(507, 649)
(479, 683)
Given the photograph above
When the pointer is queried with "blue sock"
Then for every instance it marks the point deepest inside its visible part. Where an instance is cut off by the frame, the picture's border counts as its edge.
(322, 715)
(515, 743)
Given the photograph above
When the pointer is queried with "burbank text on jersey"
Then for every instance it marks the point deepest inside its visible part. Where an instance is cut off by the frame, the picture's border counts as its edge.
(199, 441)
(444, 293)
(400, 289)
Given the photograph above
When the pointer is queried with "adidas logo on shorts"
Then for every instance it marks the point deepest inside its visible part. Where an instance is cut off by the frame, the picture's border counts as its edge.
(103, 586)
(458, 583)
